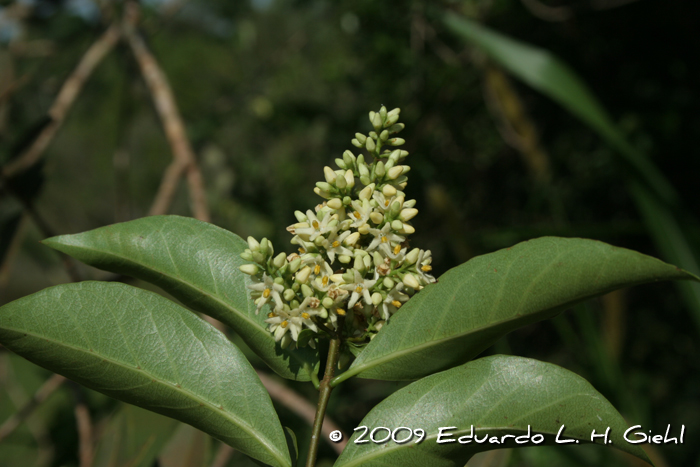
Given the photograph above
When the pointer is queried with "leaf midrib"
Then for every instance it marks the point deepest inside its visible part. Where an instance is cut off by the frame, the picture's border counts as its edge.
(244, 426)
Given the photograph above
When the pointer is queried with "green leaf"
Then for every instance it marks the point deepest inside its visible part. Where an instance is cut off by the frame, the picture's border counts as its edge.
(141, 348)
(549, 75)
(133, 437)
(198, 264)
(474, 304)
(498, 396)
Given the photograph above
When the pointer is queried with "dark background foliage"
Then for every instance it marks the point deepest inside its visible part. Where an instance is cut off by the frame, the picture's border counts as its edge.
(272, 91)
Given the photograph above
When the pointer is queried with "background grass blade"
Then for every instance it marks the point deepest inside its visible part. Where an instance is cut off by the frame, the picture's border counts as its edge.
(141, 348)
(198, 264)
(474, 304)
(498, 395)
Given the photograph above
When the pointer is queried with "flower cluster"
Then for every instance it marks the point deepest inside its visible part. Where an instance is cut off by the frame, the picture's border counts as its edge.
(353, 264)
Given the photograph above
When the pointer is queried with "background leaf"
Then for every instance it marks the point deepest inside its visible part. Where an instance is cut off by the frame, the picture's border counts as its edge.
(498, 395)
(474, 304)
(141, 348)
(198, 264)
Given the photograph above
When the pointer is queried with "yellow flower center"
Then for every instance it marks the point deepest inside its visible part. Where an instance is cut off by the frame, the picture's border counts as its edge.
(270, 315)
(302, 251)
(357, 215)
(427, 268)
(266, 293)
(340, 311)
(315, 224)
(324, 281)
(335, 244)
(305, 315)
(386, 203)
(397, 248)
(396, 303)
(284, 324)
(358, 289)
(384, 239)
(317, 269)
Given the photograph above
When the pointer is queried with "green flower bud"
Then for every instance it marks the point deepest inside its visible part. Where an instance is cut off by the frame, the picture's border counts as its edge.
(367, 259)
(410, 280)
(280, 260)
(363, 229)
(363, 169)
(329, 174)
(340, 182)
(253, 244)
(288, 295)
(377, 122)
(301, 217)
(344, 259)
(247, 255)
(294, 265)
(322, 313)
(379, 169)
(378, 258)
(347, 201)
(318, 241)
(324, 186)
(396, 141)
(306, 290)
(294, 304)
(384, 135)
(373, 135)
(364, 179)
(303, 275)
(370, 145)
(359, 264)
(322, 193)
(396, 208)
(341, 163)
(412, 257)
(391, 120)
(250, 269)
(349, 159)
(371, 116)
(389, 190)
(388, 283)
(382, 112)
(407, 229)
(335, 203)
(356, 143)
(352, 239)
(327, 302)
(396, 225)
(349, 179)
(393, 112)
(266, 247)
(376, 217)
(348, 276)
(377, 298)
(279, 280)
(361, 138)
(403, 154)
(366, 192)
(408, 214)
(295, 288)
(258, 257)
(410, 203)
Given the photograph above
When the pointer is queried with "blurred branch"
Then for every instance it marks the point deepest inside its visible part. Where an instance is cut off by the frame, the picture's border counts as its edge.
(164, 100)
(48, 388)
(301, 407)
(223, 455)
(64, 101)
(84, 424)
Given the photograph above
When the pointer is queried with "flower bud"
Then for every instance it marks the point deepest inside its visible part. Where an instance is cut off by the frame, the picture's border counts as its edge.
(335, 203)
(395, 172)
(250, 269)
(266, 247)
(370, 145)
(410, 203)
(340, 163)
(396, 141)
(322, 193)
(323, 186)
(361, 138)
(352, 238)
(288, 294)
(377, 121)
(294, 265)
(253, 244)
(340, 182)
(376, 217)
(396, 207)
(327, 302)
(247, 255)
(408, 214)
(407, 229)
(396, 128)
(345, 259)
(258, 257)
(329, 174)
(306, 290)
(363, 229)
(356, 143)
(362, 168)
(396, 225)
(349, 158)
(322, 313)
(389, 190)
(349, 179)
(366, 192)
(378, 258)
(382, 112)
(410, 281)
(384, 135)
(388, 283)
(359, 264)
(301, 217)
(303, 275)
(380, 169)
(337, 279)
(377, 298)
(280, 260)
(393, 112)
(412, 257)
(371, 116)
(391, 120)
(367, 259)
(364, 179)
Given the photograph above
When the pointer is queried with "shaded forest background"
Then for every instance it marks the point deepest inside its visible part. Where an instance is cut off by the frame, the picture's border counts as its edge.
(271, 91)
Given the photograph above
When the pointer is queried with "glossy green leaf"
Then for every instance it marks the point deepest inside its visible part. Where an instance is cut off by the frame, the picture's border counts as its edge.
(141, 348)
(498, 396)
(133, 437)
(198, 264)
(474, 304)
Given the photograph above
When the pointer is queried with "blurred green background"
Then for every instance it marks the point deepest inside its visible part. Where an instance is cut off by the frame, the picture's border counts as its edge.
(505, 146)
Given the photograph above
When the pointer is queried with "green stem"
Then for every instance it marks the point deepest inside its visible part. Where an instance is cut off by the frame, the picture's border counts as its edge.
(324, 395)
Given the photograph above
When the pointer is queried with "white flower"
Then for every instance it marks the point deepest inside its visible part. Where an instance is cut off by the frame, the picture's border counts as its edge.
(334, 245)
(268, 290)
(279, 323)
(393, 301)
(316, 227)
(359, 288)
(384, 202)
(294, 320)
(361, 214)
(384, 236)
(423, 267)
(322, 281)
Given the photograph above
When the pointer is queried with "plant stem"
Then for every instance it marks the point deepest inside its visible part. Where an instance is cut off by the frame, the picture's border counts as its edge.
(324, 394)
